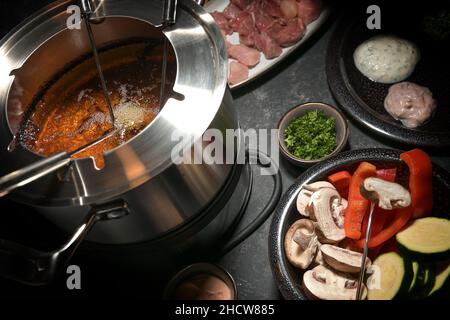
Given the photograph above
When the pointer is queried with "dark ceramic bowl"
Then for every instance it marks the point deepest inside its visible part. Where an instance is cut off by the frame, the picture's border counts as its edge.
(200, 268)
(289, 278)
(363, 100)
(329, 111)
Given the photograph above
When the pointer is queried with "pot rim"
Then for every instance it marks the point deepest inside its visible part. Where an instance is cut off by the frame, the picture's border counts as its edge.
(194, 37)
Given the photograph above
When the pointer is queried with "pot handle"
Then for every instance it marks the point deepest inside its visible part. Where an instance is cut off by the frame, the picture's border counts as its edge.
(35, 267)
(262, 216)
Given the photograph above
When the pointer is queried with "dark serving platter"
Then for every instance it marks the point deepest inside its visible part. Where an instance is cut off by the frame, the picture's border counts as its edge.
(289, 278)
(362, 99)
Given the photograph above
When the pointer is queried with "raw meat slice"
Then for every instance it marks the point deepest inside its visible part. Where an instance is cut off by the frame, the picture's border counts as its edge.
(291, 33)
(221, 21)
(263, 21)
(275, 29)
(289, 8)
(272, 8)
(242, 23)
(238, 73)
(245, 55)
(248, 40)
(231, 11)
(267, 45)
(309, 10)
(245, 24)
(242, 4)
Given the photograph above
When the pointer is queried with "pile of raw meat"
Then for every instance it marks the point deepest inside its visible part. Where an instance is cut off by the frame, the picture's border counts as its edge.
(264, 26)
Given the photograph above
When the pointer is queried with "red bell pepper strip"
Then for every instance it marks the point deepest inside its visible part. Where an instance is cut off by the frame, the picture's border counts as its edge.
(400, 219)
(357, 204)
(341, 181)
(420, 188)
(378, 221)
(387, 174)
(420, 181)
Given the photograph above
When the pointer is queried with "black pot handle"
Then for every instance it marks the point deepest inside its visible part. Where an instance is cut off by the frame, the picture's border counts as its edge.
(35, 267)
(265, 212)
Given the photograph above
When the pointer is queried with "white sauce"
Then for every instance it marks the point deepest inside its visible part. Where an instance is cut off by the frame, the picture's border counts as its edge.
(386, 58)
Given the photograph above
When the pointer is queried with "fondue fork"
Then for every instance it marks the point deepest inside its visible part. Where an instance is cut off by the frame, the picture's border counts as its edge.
(376, 196)
(169, 18)
(86, 7)
(365, 253)
(32, 172)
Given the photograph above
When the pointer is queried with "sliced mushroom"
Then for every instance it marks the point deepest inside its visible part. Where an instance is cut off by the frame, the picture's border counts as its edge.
(300, 243)
(306, 193)
(350, 244)
(337, 210)
(302, 202)
(320, 236)
(315, 186)
(389, 195)
(342, 259)
(318, 259)
(321, 204)
(323, 283)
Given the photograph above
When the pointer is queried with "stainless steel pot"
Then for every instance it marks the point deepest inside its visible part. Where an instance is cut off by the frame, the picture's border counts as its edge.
(153, 197)
(150, 209)
(141, 171)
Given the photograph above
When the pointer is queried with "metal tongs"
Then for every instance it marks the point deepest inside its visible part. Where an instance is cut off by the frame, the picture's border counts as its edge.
(169, 18)
(387, 195)
(45, 166)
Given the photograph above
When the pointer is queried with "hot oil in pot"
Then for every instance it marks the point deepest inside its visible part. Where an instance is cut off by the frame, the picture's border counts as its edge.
(73, 112)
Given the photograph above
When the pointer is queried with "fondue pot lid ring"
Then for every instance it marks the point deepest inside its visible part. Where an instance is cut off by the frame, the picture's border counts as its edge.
(202, 71)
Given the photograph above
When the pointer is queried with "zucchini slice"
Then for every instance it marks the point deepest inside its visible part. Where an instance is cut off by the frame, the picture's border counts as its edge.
(415, 271)
(442, 282)
(426, 239)
(424, 282)
(395, 277)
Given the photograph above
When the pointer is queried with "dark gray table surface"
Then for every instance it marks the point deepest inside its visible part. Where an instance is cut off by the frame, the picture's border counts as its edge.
(300, 78)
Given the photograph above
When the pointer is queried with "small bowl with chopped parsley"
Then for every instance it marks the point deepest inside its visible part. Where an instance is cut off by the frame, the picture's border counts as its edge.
(311, 132)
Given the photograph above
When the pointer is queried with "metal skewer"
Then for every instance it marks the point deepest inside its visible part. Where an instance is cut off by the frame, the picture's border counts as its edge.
(365, 252)
(86, 14)
(374, 190)
(169, 18)
(36, 170)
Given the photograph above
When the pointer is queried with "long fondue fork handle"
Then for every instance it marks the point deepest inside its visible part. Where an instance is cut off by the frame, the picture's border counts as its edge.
(169, 18)
(38, 169)
(87, 12)
(30, 173)
(366, 251)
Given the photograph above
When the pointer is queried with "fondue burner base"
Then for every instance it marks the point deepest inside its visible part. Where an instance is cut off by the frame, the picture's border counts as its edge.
(152, 263)
(137, 267)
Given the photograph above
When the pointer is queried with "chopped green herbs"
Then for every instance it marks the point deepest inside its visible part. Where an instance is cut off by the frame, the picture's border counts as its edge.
(311, 136)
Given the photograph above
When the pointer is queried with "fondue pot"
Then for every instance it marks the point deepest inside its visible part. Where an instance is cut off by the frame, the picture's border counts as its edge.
(149, 208)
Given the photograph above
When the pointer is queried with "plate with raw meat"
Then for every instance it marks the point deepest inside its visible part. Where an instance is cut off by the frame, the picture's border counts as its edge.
(260, 33)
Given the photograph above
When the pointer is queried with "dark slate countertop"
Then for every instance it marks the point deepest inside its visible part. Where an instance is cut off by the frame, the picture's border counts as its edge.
(298, 79)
